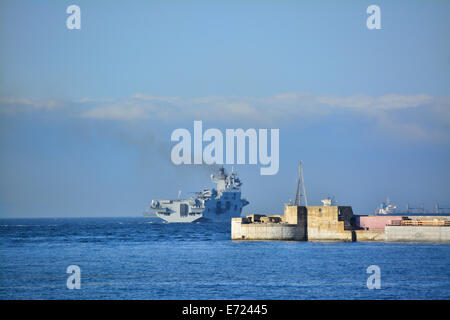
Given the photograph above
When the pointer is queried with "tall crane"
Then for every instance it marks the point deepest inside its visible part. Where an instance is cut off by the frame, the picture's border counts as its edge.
(301, 191)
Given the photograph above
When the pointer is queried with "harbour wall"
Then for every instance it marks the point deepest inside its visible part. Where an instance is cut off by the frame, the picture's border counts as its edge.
(292, 226)
(417, 233)
(378, 222)
(370, 235)
(336, 223)
(314, 223)
(265, 231)
(329, 223)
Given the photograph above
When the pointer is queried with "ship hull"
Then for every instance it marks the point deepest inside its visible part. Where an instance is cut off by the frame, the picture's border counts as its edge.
(175, 218)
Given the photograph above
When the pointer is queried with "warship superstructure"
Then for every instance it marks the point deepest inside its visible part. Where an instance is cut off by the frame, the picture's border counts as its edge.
(219, 204)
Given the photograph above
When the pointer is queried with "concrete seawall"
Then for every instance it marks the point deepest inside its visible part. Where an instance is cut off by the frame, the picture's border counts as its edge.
(380, 221)
(265, 231)
(337, 223)
(370, 235)
(417, 234)
(330, 223)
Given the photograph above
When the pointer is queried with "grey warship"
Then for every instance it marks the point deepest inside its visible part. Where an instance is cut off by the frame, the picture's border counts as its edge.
(214, 205)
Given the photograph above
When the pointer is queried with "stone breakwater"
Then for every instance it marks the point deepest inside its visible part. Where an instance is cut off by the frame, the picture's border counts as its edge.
(337, 223)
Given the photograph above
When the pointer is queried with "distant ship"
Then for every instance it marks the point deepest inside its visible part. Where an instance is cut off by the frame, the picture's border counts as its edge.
(386, 208)
(389, 209)
(216, 205)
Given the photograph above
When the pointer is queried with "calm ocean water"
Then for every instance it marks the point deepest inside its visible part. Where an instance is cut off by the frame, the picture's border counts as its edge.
(143, 258)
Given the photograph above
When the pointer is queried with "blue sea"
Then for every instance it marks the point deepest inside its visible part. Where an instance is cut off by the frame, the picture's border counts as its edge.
(144, 258)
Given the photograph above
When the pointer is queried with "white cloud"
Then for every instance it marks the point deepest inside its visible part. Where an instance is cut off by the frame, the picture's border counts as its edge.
(14, 105)
(421, 115)
(117, 112)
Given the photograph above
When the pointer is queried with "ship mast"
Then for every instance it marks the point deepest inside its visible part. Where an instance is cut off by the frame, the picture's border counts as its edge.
(301, 191)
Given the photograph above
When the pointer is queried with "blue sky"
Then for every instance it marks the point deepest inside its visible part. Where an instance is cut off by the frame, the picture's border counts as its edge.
(86, 115)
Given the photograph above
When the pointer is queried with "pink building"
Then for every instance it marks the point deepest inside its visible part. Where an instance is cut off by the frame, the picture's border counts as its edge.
(374, 222)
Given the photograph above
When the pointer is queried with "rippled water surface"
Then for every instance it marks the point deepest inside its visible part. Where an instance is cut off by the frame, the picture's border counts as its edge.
(143, 258)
